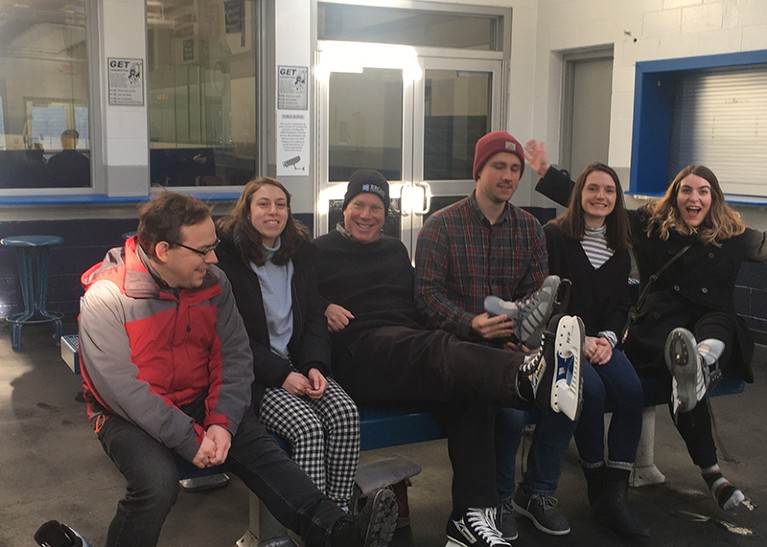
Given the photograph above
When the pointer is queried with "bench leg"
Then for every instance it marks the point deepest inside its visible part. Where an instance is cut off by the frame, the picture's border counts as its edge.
(264, 530)
(645, 472)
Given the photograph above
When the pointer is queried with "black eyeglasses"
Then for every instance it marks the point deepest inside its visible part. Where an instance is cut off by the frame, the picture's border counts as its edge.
(202, 252)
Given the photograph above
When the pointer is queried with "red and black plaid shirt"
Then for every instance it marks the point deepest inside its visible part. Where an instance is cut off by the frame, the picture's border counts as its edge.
(461, 258)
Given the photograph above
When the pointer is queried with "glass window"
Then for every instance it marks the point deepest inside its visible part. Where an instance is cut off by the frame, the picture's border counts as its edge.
(44, 137)
(365, 113)
(410, 27)
(201, 57)
(456, 114)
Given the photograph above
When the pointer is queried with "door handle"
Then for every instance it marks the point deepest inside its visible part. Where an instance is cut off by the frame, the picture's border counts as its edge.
(425, 199)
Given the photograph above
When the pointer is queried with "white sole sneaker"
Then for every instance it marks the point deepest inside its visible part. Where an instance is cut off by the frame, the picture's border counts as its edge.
(681, 353)
(567, 395)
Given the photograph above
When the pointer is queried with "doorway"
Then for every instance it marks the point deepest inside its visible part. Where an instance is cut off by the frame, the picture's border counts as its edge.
(413, 117)
(586, 110)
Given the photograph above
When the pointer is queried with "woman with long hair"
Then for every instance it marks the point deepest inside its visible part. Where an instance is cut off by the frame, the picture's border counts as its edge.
(687, 331)
(588, 244)
(267, 256)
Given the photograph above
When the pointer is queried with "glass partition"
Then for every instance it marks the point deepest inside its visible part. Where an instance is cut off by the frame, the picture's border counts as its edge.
(202, 84)
(44, 125)
(365, 123)
(412, 27)
(456, 114)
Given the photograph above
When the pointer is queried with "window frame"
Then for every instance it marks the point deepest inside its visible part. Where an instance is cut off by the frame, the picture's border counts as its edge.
(654, 92)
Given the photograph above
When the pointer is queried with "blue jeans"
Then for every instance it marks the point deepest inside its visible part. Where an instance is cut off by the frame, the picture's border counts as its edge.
(551, 439)
(615, 383)
(152, 482)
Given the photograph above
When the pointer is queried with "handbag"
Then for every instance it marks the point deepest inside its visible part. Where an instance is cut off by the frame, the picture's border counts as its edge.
(636, 308)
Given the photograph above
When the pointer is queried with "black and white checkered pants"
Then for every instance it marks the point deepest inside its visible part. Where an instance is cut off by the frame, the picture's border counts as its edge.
(324, 435)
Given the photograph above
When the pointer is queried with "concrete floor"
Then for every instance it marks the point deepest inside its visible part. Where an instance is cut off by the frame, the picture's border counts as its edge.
(53, 468)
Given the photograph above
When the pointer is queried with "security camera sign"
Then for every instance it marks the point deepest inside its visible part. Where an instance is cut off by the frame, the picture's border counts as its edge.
(126, 82)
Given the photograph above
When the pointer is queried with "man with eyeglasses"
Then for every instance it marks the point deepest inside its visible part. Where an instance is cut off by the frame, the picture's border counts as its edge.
(167, 373)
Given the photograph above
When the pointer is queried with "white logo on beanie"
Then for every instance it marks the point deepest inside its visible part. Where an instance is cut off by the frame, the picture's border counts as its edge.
(374, 189)
(511, 146)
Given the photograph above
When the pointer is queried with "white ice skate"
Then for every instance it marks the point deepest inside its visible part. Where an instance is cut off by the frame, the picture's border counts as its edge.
(566, 395)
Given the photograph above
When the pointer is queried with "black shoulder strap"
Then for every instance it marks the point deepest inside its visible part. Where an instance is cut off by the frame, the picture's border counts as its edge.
(656, 275)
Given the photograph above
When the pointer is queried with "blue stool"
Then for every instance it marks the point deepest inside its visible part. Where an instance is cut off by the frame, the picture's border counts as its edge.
(32, 254)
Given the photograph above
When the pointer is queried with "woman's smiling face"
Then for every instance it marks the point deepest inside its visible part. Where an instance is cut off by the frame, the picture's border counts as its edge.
(693, 199)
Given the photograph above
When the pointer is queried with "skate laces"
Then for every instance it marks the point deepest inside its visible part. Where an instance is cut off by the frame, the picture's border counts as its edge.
(531, 367)
(482, 522)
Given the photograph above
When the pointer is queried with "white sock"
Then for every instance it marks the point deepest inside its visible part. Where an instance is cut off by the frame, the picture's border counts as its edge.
(710, 350)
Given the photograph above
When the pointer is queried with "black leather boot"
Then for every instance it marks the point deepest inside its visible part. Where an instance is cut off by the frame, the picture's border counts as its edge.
(612, 508)
(596, 478)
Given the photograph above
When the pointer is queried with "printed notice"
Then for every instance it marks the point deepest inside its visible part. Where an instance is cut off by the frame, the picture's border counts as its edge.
(292, 93)
(293, 143)
(126, 82)
(293, 137)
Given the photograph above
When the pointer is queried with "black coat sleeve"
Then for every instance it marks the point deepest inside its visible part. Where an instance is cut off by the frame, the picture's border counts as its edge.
(556, 185)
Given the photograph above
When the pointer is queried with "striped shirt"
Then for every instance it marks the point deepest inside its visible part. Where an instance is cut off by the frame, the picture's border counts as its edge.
(461, 258)
(594, 244)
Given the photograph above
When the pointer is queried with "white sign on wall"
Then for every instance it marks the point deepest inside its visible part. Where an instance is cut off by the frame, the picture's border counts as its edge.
(126, 82)
(292, 120)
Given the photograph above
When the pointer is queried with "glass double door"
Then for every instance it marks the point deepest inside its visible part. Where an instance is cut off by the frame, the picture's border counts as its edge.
(414, 118)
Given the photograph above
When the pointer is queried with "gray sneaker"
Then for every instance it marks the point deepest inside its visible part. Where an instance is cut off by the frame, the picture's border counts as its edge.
(542, 511)
(506, 523)
(530, 315)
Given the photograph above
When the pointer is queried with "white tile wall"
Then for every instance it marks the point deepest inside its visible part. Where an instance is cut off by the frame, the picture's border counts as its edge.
(663, 29)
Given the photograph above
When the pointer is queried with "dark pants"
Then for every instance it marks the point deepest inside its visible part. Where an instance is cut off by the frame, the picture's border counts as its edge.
(616, 383)
(401, 364)
(152, 482)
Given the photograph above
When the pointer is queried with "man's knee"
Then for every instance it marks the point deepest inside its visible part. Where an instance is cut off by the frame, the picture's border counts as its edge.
(158, 489)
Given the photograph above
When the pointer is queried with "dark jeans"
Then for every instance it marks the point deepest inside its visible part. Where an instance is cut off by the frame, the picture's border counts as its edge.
(405, 365)
(152, 482)
(617, 383)
(548, 451)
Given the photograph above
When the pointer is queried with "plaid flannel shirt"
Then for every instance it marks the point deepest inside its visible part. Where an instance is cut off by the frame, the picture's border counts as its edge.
(461, 258)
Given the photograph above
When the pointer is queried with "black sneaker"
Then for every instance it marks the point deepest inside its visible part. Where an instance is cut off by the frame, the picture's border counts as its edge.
(530, 315)
(475, 528)
(542, 511)
(373, 527)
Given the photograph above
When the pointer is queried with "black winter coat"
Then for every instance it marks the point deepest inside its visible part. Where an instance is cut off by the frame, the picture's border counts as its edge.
(702, 280)
(599, 296)
(309, 346)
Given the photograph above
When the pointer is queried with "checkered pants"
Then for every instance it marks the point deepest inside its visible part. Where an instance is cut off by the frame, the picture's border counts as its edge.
(324, 435)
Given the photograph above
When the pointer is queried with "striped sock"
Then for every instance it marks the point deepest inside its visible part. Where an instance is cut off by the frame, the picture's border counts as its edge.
(726, 495)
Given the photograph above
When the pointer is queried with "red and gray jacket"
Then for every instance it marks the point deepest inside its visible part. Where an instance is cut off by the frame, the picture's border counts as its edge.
(146, 350)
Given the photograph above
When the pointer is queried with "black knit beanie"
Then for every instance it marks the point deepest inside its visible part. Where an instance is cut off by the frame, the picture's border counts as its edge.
(367, 180)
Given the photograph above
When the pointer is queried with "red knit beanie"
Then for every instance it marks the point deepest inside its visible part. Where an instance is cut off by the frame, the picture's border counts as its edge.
(491, 144)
